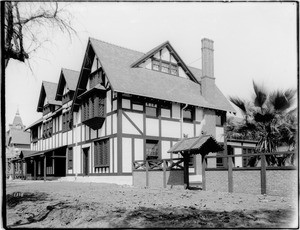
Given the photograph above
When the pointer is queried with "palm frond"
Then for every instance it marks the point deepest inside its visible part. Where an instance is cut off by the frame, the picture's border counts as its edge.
(239, 103)
(282, 100)
(260, 95)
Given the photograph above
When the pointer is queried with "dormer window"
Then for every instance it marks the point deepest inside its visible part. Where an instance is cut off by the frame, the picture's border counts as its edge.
(165, 67)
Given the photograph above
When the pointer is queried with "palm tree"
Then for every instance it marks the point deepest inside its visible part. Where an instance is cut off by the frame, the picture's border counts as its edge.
(267, 119)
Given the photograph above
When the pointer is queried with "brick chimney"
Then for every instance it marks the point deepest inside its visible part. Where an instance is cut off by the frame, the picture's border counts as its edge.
(207, 79)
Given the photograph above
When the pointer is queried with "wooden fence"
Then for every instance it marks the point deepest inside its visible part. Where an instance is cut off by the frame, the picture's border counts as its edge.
(263, 168)
(158, 165)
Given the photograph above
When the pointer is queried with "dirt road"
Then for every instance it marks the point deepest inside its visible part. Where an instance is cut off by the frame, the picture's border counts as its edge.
(94, 205)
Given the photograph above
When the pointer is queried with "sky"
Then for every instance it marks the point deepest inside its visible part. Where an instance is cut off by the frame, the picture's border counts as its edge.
(252, 41)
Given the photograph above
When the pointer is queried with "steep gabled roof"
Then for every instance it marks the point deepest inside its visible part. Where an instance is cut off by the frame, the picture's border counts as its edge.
(172, 51)
(69, 78)
(48, 90)
(118, 64)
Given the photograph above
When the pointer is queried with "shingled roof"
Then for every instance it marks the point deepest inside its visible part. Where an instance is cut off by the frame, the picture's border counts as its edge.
(69, 78)
(48, 90)
(117, 64)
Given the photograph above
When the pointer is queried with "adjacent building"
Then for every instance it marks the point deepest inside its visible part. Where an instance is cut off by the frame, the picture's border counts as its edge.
(124, 105)
(17, 140)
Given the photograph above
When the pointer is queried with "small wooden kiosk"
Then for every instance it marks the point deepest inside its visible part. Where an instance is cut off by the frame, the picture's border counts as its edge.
(195, 145)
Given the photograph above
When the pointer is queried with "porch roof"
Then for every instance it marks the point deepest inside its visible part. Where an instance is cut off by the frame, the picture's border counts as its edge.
(37, 153)
(196, 145)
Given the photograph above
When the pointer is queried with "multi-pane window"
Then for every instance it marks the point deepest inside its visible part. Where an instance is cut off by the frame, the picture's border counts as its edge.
(155, 65)
(47, 129)
(151, 109)
(66, 121)
(191, 161)
(151, 149)
(101, 153)
(70, 158)
(165, 66)
(93, 107)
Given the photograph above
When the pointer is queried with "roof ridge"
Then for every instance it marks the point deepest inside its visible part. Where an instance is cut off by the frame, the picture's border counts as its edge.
(49, 82)
(70, 69)
(116, 45)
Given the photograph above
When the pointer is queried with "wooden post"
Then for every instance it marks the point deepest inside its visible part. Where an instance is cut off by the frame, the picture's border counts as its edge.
(147, 174)
(230, 176)
(186, 170)
(263, 178)
(45, 168)
(13, 170)
(165, 173)
(203, 172)
(34, 169)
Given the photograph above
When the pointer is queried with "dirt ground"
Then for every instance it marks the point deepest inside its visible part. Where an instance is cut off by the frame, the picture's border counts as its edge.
(38, 204)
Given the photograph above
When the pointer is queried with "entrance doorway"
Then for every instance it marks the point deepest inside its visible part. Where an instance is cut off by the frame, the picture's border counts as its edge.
(85, 166)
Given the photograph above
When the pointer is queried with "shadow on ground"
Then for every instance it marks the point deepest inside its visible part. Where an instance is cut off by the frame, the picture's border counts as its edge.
(16, 198)
(190, 217)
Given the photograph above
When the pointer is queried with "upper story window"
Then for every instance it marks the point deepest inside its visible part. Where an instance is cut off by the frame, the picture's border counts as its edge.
(165, 110)
(165, 67)
(47, 129)
(220, 119)
(66, 121)
(188, 114)
(34, 134)
(151, 109)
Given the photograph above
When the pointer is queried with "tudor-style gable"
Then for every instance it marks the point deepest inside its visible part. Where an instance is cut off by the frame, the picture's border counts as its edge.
(164, 58)
(47, 102)
(90, 93)
(66, 85)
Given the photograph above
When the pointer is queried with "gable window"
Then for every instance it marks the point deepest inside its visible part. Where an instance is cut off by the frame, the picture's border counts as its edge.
(101, 153)
(151, 109)
(151, 149)
(155, 65)
(70, 158)
(165, 67)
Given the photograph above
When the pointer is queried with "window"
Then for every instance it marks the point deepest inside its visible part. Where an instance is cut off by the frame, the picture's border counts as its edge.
(165, 110)
(47, 129)
(220, 119)
(92, 107)
(155, 65)
(188, 114)
(220, 162)
(34, 134)
(164, 66)
(70, 158)
(151, 109)
(151, 149)
(137, 105)
(101, 153)
(66, 121)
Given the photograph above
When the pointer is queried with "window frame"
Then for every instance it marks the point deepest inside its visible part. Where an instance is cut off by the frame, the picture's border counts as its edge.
(102, 153)
(152, 156)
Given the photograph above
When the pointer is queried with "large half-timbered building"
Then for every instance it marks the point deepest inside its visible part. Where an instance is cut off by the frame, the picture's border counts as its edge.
(123, 106)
